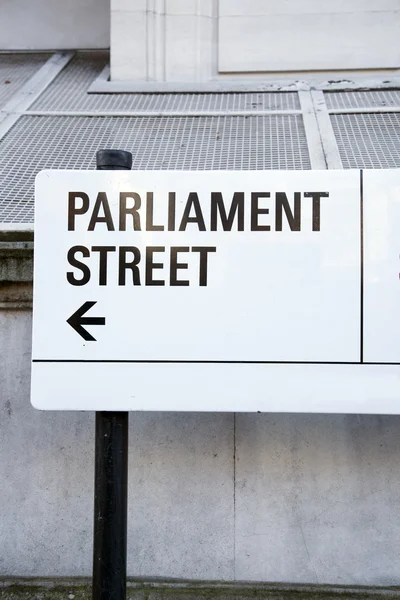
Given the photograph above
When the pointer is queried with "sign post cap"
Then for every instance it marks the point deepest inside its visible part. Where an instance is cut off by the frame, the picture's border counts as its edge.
(113, 159)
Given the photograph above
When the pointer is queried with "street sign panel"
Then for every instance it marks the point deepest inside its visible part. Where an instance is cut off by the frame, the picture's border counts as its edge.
(217, 291)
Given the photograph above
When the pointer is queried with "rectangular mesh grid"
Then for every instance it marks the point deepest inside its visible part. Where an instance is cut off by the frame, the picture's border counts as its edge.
(268, 142)
(370, 141)
(69, 92)
(362, 99)
(15, 70)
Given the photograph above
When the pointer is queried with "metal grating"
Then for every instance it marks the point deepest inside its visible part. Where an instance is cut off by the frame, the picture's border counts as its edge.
(69, 93)
(362, 99)
(370, 141)
(268, 142)
(15, 70)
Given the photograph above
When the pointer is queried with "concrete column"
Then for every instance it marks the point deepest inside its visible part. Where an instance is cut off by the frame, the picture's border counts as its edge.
(163, 40)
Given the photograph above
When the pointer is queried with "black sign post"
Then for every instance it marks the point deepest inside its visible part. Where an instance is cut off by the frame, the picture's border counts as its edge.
(111, 471)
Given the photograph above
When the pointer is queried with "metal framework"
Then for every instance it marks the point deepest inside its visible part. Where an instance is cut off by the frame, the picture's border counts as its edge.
(54, 120)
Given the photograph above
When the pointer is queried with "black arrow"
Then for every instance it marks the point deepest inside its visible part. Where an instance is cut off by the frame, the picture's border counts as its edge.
(77, 320)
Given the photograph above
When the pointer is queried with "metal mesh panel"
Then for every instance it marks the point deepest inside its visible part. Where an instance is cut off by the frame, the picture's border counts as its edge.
(272, 142)
(15, 70)
(365, 99)
(370, 141)
(69, 92)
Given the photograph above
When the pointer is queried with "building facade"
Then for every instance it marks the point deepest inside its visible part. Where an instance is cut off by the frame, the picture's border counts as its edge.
(195, 84)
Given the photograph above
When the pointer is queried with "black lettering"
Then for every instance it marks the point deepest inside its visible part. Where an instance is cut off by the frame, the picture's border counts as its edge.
(103, 252)
(237, 206)
(132, 265)
(255, 211)
(149, 214)
(101, 202)
(78, 265)
(293, 219)
(74, 210)
(150, 265)
(171, 211)
(203, 251)
(133, 210)
(193, 200)
(174, 266)
(316, 207)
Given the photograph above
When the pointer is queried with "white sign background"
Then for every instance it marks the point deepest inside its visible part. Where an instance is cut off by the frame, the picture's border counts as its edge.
(288, 320)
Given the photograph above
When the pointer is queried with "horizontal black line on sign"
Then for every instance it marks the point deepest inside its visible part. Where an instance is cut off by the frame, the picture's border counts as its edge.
(212, 362)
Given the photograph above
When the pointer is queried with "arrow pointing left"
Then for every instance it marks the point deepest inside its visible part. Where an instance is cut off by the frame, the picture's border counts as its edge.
(77, 320)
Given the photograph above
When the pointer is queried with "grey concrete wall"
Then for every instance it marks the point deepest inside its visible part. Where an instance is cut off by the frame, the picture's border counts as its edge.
(273, 497)
(55, 24)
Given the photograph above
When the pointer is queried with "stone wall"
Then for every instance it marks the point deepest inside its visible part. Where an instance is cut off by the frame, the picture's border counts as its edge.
(257, 497)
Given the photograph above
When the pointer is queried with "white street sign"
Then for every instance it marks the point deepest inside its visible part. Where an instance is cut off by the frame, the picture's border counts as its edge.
(217, 291)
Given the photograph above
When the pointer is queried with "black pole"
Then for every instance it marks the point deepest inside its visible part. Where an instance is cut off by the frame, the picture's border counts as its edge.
(111, 472)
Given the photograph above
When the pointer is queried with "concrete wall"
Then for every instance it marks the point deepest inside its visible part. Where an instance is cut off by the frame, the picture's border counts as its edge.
(274, 497)
(205, 40)
(54, 24)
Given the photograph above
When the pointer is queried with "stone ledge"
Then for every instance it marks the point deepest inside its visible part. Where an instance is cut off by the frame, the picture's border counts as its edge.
(16, 235)
(16, 273)
(157, 589)
(16, 261)
(16, 295)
